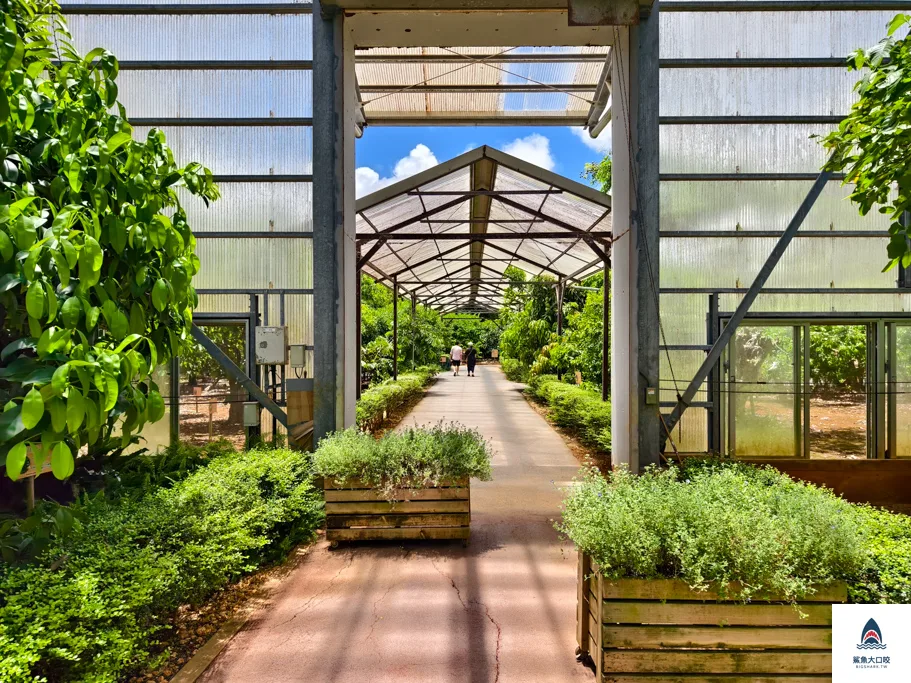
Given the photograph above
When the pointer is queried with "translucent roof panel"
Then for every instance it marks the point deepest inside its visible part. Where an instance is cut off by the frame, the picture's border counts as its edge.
(494, 84)
(448, 234)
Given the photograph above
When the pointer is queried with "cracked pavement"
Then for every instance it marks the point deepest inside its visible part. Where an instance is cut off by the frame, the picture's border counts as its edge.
(500, 611)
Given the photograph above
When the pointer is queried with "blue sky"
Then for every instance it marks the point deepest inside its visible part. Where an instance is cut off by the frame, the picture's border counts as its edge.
(387, 154)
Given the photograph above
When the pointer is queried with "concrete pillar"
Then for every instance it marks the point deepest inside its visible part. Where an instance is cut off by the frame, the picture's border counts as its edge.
(395, 328)
(635, 418)
(334, 263)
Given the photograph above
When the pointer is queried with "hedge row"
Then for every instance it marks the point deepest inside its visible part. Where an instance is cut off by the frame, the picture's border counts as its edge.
(378, 401)
(93, 605)
(514, 370)
(576, 408)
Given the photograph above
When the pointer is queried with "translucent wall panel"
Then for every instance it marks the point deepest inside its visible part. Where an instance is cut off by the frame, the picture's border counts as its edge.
(827, 303)
(251, 150)
(195, 36)
(254, 264)
(759, 205)
(223, 303)
(757, 92)
(769, 34)
(216, 94)
(277, 207)
(743, 148)
(808, 262)
(684, 318)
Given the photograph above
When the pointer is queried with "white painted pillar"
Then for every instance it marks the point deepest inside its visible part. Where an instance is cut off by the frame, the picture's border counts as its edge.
(348, 355)
(624, 401)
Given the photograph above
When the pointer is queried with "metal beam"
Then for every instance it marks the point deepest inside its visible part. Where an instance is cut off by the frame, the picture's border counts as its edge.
(748, 119)
(784, 5)
(395, 329)
(239, 375)
(430, 88)
(489, 58)
(531, 262)
(724, 177)
(223, 122)
(603, 237)
(174, 8)
(476, 193)
(423, 262)
(251, 234)
(423, 216)
(753, 63)
(467, 118)
(366, 257)
(761, 277)
(218, 65)
(738, 234)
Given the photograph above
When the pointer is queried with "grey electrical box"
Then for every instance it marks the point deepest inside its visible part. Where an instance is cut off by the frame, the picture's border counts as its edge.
(298, 355)
(271, 345)
(251, 414)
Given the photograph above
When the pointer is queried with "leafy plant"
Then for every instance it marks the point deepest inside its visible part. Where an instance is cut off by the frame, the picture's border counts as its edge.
(96, 256)
(871, 144)
(887, 575)
(109, 587)
(599, 174)
(838, 357)
(414, 458)
(577, 408)
(514, 369)
(378, 401)
(715, 526)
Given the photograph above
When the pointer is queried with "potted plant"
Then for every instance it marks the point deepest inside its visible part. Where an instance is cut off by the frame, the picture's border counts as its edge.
(727, 571)
(413, 484)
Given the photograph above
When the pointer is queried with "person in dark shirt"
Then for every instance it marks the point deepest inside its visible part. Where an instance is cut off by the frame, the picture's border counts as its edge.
(471, 357)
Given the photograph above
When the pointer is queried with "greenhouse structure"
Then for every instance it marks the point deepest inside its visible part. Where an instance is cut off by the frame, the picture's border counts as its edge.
(714, 108)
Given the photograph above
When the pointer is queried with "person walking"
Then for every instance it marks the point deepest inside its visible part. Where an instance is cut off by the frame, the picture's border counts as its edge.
(455, 354)
(471, 357)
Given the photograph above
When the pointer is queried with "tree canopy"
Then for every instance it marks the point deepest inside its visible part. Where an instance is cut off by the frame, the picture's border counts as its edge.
(96, 256)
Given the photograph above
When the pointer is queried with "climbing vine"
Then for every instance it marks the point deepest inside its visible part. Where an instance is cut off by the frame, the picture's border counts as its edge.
(96, 256)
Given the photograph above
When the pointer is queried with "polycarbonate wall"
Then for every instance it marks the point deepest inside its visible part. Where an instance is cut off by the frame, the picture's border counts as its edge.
(742, 93)
(232, 91)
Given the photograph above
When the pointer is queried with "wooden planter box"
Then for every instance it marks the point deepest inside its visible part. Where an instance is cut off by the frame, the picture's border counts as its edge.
(356, 512)
(662, 631)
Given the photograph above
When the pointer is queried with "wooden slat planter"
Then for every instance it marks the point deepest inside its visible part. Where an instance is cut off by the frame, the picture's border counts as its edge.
(662, 631)
(356, 512)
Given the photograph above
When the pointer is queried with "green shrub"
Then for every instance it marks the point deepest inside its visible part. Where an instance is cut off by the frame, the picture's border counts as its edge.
(92, 606)
(887, 577)
(514, 369)
(576, 408)
(718, 524)
(383, 398)
(413, 458)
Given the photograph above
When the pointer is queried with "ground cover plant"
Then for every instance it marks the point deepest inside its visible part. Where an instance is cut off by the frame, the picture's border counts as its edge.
(716, 523)
(94, 603)
(378, 401)
(577, 408)
(413, 458)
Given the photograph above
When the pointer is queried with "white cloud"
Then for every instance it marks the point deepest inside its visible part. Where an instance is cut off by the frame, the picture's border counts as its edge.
(601, 144)
(534, 148)
(419, 159)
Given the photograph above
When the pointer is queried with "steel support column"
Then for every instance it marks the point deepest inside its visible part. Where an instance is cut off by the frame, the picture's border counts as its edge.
(414, 312)
(395, 329)
(360, 360)
(334, 263)
(605, 331)
(559, 292)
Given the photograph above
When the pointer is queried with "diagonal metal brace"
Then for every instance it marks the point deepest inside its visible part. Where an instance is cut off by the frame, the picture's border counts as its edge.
(728, 332)
(239, 375)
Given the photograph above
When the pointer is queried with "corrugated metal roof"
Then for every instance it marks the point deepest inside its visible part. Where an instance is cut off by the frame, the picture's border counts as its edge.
(448, 234)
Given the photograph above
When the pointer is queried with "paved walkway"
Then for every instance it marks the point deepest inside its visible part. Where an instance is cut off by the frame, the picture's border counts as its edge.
(502, 610)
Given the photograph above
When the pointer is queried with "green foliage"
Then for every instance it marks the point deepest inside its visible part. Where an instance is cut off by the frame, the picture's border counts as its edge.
(838, 357)
(577, 408)
(414, 458)
(197, 363)
(599, 174)
(137, 472)
(108, 587)
(887, 576)
(96, 256)
(381, 399)
(716, 525)
(871, 145)
(376, 360)
(514, 369)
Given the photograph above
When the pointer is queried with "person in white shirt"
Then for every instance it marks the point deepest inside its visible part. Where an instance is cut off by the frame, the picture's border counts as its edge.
(456, 355)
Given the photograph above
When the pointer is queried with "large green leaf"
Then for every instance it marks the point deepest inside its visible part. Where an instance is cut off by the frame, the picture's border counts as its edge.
(32, 408)
(62, 464)
(160, 294)
(91, 259)
(57, 408)
(34, 299)
(75, 409)
(6, 247)
(15, 460)
(155, 406)
(71, 312)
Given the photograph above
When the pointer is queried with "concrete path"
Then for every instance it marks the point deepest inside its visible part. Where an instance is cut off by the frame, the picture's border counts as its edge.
(502, 610)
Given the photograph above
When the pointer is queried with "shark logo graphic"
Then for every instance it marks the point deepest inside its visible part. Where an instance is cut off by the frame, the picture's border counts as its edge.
(871, 637)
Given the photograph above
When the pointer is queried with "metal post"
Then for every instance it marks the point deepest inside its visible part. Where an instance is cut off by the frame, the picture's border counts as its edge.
(605, 336)
(334, 318)
(395, 328)
(748, 299)
(714, 380)
(252, 369)
(559, 293)
(414, 312)
(175, 400)
(360, 360)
